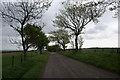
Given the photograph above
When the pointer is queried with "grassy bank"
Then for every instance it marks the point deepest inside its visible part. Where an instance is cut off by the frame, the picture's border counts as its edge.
(106, 60)
(30, 68)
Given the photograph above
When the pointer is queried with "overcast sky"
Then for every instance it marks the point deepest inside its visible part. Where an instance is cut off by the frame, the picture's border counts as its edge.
(102, 34)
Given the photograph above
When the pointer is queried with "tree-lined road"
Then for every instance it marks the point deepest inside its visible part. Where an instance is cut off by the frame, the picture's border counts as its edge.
(59, 66)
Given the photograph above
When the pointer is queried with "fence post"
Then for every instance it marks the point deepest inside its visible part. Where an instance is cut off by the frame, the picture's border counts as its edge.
(21, 58)
(103, 50)
(12, 60)
(95, 50)
(117, 50)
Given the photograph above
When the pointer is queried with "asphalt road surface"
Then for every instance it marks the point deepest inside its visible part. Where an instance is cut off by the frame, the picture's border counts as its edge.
(59, 66)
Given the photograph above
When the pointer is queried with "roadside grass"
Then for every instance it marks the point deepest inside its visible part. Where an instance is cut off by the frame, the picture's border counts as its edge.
(30, 68)
(105, 60)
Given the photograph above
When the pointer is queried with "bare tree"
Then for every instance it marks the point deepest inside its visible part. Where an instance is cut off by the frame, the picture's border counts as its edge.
(18, 14)
(76, 16)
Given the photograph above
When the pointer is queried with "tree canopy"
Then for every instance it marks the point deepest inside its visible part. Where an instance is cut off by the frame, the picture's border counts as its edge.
(61, 37)
(35, 37)
(76, 16)
(53, 48)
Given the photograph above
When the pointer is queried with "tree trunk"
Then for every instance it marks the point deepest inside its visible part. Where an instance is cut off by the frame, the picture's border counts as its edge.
(40, 51)
(80, 47)
(23, 44)
(25, 54)
(64, 47)
(76, 42)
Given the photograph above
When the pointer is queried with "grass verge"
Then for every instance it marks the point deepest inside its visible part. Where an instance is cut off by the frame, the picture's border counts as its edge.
(108, 61)
(31, 68)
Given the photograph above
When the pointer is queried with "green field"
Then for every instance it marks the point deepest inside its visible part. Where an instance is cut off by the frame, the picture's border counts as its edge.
(34, 65)
(107, 59)
(30, 68)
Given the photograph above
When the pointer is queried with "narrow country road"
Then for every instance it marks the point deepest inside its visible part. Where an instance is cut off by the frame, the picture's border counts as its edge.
(59, 66)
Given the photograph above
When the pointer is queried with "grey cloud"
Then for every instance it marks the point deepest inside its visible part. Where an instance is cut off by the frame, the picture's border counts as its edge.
(91, 31)
(48, 29)
(102, 35)
(116, 32)
(7, 31)
(101, 27)
(88, 37)
(96, 29)
(7, 45)
(49, 16)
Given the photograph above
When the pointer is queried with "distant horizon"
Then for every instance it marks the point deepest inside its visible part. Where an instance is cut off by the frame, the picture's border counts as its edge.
(66, 49)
